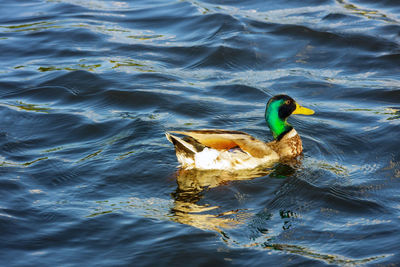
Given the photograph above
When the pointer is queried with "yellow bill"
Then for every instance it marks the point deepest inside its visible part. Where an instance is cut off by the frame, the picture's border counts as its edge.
(302, 110)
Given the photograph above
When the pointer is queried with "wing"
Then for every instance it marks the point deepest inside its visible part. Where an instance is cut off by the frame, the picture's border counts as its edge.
(222, 139)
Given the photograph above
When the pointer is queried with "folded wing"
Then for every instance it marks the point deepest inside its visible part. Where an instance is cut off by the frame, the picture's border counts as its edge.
(225, 140)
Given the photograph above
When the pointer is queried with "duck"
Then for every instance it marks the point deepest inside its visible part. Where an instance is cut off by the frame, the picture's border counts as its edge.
(217, 149)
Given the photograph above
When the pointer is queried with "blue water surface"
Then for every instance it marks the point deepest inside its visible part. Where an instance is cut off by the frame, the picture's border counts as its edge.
(88, 89)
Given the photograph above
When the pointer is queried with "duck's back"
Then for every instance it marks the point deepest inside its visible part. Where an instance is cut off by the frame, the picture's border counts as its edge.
(221, 149)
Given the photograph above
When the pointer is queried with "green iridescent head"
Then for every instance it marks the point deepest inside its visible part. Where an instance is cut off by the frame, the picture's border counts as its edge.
(278, 109)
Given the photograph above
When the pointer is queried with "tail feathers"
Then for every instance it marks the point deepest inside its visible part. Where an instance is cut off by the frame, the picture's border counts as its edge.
(182, 146)
(186, 149)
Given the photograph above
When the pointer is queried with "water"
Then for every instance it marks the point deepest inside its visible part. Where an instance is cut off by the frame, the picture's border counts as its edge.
(88, 89)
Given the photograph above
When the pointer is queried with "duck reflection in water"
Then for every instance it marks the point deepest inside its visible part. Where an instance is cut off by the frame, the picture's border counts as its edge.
(192, 185)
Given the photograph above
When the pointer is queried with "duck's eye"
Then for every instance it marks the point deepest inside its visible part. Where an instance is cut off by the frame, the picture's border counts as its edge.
(287, 102)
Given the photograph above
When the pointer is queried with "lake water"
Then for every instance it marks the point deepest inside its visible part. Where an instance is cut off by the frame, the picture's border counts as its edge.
(88, 89)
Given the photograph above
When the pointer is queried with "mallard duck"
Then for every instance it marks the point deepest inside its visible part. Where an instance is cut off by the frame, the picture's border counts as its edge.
(214, 149)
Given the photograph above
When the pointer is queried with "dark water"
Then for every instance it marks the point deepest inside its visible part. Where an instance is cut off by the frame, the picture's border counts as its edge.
(88, 89)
